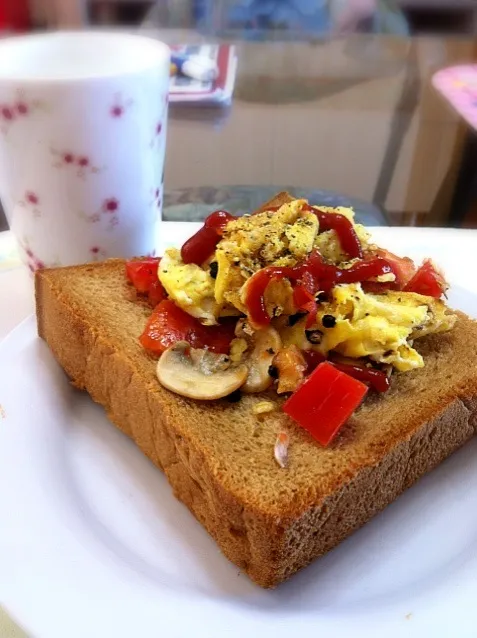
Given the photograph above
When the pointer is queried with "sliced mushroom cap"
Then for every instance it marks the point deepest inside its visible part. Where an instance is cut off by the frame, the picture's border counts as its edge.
(199, 374)
(266, 344)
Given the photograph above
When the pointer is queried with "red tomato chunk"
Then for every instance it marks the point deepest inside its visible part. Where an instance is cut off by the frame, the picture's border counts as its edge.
(325, 401)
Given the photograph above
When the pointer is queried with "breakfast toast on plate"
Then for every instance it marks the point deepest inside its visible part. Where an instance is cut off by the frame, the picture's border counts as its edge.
(272, 496)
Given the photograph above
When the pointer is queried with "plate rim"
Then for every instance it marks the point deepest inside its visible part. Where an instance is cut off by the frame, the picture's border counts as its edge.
(331, 625)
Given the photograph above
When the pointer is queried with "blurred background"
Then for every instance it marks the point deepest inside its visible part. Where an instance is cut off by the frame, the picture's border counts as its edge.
(333, 100)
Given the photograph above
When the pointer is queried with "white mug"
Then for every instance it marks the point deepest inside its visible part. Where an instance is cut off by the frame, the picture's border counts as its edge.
(82, 142)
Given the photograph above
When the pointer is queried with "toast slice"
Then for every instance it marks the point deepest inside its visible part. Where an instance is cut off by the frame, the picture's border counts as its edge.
(218, 457)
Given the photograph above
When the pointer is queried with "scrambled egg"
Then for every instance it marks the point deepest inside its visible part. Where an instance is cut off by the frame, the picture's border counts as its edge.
(281, 238)
(328, 243)
(381, 327)
(375, 326)
(189, 286)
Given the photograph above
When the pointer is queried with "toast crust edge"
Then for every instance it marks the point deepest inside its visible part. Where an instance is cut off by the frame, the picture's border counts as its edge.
(268, 549)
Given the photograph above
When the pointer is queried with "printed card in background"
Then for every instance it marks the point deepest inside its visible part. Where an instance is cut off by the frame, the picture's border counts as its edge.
(219, 91)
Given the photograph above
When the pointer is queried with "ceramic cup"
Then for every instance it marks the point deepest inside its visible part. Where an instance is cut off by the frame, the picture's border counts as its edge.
(82, 143)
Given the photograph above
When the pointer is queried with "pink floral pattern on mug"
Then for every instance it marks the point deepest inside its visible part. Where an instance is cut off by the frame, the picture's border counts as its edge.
(119, 106)
(156, 197)
(32, 261)
(97, 253)
(156, 200)
(16, 110)
(31, 201)
(108, 212)
(157, 131)
(80, 164)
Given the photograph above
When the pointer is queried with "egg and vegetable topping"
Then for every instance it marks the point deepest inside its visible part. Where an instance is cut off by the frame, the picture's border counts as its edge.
(275, 297)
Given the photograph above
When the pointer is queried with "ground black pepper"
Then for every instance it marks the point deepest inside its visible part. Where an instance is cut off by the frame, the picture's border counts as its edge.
(328, 321)
(213, 269)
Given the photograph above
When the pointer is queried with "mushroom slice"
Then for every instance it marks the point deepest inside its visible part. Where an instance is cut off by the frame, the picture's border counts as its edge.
(266, 344)
(199, 374)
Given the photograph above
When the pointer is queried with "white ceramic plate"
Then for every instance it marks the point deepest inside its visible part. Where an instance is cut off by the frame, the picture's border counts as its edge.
(92, 542)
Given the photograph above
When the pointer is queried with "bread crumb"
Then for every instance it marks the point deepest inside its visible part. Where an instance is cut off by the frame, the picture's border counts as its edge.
(263, 407)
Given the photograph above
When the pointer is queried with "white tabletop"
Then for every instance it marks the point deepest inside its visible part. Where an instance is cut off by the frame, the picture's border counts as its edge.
(16, 289)
(16, 303)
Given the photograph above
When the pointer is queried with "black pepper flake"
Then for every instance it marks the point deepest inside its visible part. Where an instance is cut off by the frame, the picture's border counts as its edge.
(314, 336)
(321, 297)
(273, 372)
(328, 321)
(388, 353)
(234, 397)
(271, 351)
(213, 269)
(293, 319)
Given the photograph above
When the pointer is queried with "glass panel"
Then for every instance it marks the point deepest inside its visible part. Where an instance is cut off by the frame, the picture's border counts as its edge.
(333, 101)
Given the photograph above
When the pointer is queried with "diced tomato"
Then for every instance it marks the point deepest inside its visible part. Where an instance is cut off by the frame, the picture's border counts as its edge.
(312, 358)
(142, 273)
(403, 267)
(218, 338)
(427, 281)
(377, 379)
(301, 296)
(325, 401)
(311, 308)
(156, 293)
(305, 289)
(304, 297)
(168, 324)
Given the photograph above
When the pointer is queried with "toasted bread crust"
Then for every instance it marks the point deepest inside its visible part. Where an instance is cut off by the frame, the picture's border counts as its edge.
(324, 496)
